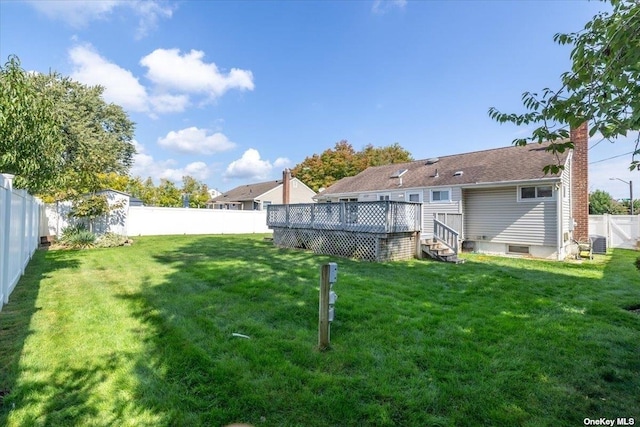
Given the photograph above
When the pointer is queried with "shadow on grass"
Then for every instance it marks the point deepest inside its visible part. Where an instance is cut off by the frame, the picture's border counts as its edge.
(15, 319)
(489, 342)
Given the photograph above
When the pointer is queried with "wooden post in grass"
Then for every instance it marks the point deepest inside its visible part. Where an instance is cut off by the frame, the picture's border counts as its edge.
(328, 274)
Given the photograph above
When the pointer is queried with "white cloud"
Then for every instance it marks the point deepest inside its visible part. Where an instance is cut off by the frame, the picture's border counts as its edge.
(79, 14)
(168, 103)
(197, 170)
(171, 70)
(197, 141)
(250, 166)
(121, 86)
(144, 165)
(380, 7)
(148, 13)
(174, 82)
(281, 162)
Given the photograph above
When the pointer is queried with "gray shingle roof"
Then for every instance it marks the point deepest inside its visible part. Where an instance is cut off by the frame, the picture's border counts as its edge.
(247, 192)
(514, 163)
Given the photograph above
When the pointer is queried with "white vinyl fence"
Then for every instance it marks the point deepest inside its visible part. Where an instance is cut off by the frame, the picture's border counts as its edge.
(149, 221)
(19, 234)
(621, 231)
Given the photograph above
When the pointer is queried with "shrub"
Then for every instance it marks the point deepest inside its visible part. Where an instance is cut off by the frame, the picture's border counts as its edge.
(80, 240)
(110, 240)
(77, 237)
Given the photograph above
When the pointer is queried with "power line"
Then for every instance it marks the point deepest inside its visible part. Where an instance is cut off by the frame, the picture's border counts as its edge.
(610, 158)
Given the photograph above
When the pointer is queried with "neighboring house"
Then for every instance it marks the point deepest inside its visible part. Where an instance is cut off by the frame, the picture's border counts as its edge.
(260, 195)
(498, 201)
(213, 192)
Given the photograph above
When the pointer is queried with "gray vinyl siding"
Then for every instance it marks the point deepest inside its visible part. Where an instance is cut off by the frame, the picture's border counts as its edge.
(429, 209)
(495, 215)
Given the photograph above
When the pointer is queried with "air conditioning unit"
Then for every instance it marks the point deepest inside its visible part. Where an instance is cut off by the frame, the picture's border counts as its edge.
(599, 244)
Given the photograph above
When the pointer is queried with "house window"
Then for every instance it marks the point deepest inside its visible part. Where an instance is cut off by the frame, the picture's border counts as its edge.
(384, 196)
(265, 204)
(440, 195)
(415, 197)
(536, 192)
(349, 200)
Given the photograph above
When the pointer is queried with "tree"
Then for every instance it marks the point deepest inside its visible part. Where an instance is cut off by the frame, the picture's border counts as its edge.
(197, 191)
(378, 156)
(322, 170)
(59, 136)
(601, 88)
(149, 193)
(90, 207)
(627, 206)
(30, 140)
(114, 181)
(97, 136)
(168, 194)
(601, 202)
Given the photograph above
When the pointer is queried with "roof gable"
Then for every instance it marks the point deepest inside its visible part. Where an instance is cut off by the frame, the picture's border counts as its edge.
(514, 163)
(247, 192)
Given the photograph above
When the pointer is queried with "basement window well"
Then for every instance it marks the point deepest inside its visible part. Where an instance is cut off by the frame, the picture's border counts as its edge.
(515, 249)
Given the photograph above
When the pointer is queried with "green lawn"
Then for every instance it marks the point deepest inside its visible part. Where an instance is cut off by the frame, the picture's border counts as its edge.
(143, 336)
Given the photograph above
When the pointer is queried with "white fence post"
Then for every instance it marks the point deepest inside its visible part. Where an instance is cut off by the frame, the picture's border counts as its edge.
(5, 238)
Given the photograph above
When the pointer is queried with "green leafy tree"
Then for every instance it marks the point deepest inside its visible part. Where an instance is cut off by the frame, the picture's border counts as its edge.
(601, 88)
(322, 170)
(197, 191)
(97, 136)
(59, 136)
(378, 156)
(168, 195)
(148, 193)
(90, 207)
(627, 206)
(114, 181)
(135, 187)
(601, 202)
(31, 144)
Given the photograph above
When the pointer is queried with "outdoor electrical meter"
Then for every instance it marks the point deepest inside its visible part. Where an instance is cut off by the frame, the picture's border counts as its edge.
(332, 301)
(333, 273)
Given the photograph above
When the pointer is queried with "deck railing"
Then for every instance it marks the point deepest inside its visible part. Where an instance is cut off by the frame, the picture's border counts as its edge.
(445, 234)
(365, 217)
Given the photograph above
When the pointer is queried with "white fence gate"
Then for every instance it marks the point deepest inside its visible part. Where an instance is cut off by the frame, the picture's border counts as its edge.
(19, 234)
(621, 231)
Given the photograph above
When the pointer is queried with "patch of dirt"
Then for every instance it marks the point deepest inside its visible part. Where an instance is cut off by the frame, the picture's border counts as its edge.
(634, 308)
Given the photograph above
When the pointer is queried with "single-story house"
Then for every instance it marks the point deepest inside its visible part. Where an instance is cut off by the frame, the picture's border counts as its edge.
(498, 200)
(262, 194)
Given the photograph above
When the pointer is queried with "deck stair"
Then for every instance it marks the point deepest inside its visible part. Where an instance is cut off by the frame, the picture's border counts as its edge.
(439, 251)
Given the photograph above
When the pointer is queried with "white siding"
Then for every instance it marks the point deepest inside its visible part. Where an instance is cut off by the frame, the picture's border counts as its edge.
(565, 206)
(495, 215)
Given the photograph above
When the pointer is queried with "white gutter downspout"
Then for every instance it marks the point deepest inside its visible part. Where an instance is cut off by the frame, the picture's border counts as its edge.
(560, 233)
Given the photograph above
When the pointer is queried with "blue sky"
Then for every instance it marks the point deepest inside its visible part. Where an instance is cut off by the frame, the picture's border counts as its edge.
(232, 92)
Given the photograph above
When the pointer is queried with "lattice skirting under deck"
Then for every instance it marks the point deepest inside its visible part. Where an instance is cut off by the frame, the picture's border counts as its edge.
(363, 246)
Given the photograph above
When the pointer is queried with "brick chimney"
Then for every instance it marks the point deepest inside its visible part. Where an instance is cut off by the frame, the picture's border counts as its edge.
(580, 181)
(286, 186)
